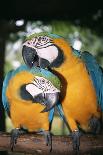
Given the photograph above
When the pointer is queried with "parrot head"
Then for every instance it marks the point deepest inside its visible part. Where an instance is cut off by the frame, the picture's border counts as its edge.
(44, 92)
(43, 50)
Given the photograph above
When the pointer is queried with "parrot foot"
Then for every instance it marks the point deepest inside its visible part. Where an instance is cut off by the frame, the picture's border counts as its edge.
(75, 135)
(15, 133)
(95, 125)
(48, 139)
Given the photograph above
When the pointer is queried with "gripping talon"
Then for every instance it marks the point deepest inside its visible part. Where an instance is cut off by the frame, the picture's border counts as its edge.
(95, 125)
(76, 140)
(15, 133)
(14, 136)
(48, 139)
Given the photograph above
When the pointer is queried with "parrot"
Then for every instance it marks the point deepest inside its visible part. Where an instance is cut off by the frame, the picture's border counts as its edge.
(29, 96)
(81, 77)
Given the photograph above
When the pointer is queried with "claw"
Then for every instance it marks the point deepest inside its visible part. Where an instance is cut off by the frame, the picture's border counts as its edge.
(14, 137)
(48, 139)
(76, 140)
(95, 125)
(15, 133)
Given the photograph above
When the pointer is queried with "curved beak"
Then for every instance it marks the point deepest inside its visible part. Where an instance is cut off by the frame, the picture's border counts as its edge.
(30, 56)
(50, 101)
(32, 59)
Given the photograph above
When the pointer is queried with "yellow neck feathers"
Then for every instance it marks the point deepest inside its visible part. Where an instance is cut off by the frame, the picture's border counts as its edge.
(70, 59)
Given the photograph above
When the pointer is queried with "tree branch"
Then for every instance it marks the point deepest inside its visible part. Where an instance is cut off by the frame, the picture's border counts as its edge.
(32, 143)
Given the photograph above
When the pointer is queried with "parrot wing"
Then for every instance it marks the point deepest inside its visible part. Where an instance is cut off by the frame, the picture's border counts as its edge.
(96, 74)
(4, 98)
(62, 115)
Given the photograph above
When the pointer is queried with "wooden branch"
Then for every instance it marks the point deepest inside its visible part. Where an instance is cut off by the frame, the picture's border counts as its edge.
(31, 143)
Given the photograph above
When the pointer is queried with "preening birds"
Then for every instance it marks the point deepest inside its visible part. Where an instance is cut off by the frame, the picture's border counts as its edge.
(80, 75)
(27, 94)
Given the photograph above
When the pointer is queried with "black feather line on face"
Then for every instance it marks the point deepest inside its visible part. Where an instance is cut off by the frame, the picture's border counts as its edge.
(24, 93)
(28, 97)
(60, 58)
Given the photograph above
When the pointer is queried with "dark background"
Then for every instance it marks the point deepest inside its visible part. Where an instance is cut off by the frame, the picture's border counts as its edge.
(85, 13)
(77, 11)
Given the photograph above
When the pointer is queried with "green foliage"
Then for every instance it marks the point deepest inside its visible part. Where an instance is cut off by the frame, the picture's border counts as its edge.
(90, 40)
(7, 67)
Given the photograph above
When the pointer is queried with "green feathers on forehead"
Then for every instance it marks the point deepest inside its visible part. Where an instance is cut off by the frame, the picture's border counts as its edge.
(48, 75)
(52, 36)
(42, 73)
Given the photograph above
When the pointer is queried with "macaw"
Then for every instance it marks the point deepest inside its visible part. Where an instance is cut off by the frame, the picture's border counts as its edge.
(81, 77)
(27, 95)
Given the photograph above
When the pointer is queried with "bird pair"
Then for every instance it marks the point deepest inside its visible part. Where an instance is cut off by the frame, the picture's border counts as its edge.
(81, 94)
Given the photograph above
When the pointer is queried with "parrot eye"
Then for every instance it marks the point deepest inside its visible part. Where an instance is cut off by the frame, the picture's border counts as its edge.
(28, 42)
(43, 38)
(43, 81)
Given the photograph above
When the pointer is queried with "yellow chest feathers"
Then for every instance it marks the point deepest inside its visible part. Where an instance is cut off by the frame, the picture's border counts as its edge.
(25, 113)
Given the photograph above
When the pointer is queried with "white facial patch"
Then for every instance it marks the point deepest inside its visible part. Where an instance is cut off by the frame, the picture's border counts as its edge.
(41, 85)
(33, 90)
(49, 53)
(44, 47)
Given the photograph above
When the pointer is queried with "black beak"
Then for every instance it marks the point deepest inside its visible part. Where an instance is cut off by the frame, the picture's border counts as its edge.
(50, 101)
(30, 56)
(43, 63)
(32, 59)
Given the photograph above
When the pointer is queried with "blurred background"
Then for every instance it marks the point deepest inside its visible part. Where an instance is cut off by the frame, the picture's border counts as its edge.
(81, 22)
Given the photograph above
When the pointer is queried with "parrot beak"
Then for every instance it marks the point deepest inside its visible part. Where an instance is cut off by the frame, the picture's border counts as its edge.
(50, 101)
(32, 59)
(47, 99)
(43, 63)
(30, 56)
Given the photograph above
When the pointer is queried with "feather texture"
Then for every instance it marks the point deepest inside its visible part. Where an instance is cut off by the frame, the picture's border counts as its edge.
(96, 75)
(16, 96)
(4, 97)
(95, 72)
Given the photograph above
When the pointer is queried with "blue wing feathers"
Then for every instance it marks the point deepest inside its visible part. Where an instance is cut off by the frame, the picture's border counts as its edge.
(96, 74)
(62, 115)
(9, 75)
(51, 115)
(4, 98)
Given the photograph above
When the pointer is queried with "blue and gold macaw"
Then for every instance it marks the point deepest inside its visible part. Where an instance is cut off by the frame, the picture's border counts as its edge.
(80, 75)
(27, 94)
